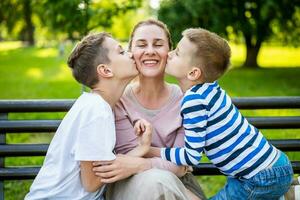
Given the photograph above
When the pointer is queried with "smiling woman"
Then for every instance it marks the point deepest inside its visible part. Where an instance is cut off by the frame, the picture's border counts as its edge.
(158, 102)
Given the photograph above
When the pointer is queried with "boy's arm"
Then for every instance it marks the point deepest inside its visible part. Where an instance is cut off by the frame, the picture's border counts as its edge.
(138, 151)
(89, 180)
(153, 152)
(92, 145)
(195, 118)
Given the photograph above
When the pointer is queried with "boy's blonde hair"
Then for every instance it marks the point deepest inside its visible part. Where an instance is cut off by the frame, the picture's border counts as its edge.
(86, 56)
(212, 52)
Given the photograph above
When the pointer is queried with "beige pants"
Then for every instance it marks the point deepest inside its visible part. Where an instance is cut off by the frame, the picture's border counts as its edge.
(153, 184)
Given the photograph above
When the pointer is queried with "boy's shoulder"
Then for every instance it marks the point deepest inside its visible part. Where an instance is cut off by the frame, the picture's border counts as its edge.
(191, 95)
(92, 104)
(201, 93)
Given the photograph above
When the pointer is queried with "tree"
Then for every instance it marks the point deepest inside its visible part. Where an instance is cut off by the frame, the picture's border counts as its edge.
(18, 12)
(78, 17)
(72, 17)
(29, 28)
(255, 20)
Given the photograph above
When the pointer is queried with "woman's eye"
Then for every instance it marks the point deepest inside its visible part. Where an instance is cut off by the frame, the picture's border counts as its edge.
(141, 45)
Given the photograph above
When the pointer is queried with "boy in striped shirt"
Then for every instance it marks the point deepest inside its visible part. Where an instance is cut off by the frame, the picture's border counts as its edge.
(255, 169)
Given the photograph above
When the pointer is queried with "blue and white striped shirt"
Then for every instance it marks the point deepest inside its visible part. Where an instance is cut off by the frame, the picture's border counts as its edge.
(213, 125)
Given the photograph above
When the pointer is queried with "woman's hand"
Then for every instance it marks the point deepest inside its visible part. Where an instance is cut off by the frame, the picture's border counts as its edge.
(120, 168)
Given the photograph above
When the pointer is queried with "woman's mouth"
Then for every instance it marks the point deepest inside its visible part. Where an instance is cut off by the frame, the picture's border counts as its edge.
(150, 63)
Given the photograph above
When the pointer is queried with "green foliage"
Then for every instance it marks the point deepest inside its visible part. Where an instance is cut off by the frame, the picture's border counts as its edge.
(15, 16)
(70, 18)
(255, 20)
(77, 18)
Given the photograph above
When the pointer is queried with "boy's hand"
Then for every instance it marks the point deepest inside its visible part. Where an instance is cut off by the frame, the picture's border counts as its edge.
(143, 129)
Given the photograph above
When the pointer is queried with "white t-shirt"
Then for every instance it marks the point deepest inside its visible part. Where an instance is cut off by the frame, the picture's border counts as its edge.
(87, 133)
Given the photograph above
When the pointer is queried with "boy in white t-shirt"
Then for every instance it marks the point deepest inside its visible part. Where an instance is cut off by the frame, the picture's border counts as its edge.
(87, 132)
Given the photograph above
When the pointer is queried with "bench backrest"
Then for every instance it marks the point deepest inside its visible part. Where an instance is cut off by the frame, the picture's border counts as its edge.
(8, 126)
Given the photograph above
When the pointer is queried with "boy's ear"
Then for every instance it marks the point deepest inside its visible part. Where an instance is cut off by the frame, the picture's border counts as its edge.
(104, 71)
(194, 74)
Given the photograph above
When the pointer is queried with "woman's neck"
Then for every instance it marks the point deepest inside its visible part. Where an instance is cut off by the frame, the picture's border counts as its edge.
(152, 93)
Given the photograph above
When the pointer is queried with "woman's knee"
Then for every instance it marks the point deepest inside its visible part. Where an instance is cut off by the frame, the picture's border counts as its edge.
(159, 177)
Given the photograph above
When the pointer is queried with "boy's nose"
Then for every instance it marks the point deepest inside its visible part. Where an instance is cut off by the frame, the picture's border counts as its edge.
(170, 54)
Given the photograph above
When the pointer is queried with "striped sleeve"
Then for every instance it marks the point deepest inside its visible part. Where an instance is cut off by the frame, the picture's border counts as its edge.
(195, 114)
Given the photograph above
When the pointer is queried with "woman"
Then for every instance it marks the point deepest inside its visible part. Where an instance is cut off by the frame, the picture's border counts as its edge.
(158, 102)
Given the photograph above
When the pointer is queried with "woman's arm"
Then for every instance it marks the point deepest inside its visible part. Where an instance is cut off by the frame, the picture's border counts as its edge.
(120, 168)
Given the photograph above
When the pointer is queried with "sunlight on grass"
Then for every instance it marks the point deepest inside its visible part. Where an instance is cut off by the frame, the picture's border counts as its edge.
(6, 46)
(44, 53)
(269, 56)
(63, 74)
(279, 56)
(35, 73)
(238, 54)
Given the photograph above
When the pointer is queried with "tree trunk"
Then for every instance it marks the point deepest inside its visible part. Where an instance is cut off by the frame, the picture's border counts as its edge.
(251, 57)
(252, 51)
(29, 29)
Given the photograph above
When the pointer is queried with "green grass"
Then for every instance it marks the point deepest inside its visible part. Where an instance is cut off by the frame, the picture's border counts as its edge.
(35, 73)
(270, 56)
(39, 73)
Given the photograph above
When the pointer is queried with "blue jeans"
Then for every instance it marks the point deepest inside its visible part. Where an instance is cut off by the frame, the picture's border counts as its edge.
(269, 184)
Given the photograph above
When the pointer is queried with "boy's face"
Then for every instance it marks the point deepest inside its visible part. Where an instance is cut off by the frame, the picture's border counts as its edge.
(180, 60)
(121, 62)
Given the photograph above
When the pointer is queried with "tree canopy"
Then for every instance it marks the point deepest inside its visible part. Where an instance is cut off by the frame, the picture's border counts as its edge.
(254, 20)
(72, 17)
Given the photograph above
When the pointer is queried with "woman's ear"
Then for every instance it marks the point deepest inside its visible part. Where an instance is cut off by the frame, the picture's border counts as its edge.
(194, 74)
(104, 71)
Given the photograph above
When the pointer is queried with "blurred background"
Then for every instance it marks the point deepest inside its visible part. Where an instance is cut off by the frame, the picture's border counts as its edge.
(36, 37)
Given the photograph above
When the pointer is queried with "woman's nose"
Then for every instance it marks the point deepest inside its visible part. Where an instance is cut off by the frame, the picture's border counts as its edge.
(149, 50)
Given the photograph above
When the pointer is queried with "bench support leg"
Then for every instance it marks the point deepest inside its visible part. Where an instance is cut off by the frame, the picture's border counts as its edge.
(3, 116)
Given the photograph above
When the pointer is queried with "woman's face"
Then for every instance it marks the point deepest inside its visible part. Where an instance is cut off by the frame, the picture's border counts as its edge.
(150, 50)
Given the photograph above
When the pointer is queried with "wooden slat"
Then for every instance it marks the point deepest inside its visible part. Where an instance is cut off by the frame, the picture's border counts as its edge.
(275, 122)
(17, 126)
(55, 105)
(286, 145)
(210, 169)
(36, 105)
(18, 173)
(267, 102)
(12, 150)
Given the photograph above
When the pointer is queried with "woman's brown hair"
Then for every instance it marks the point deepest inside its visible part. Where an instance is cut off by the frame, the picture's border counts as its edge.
(151, 22)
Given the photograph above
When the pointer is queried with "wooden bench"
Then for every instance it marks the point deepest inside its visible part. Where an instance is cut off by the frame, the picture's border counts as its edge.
(8, 126)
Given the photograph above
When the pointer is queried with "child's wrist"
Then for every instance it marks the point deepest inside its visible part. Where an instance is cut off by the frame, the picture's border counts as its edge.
(143, 149)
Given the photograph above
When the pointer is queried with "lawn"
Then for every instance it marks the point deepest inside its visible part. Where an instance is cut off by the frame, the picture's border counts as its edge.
(39, 73)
